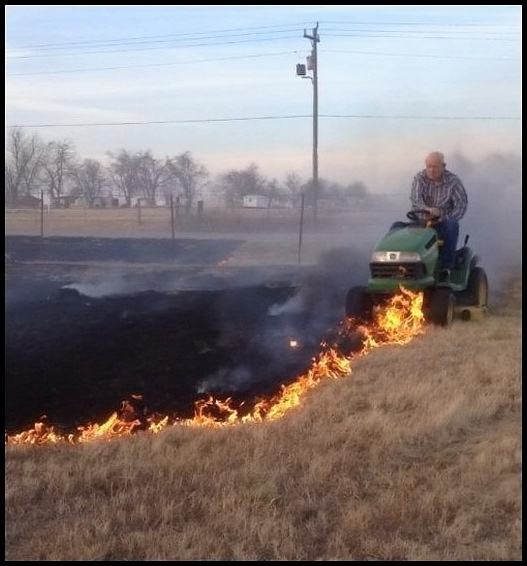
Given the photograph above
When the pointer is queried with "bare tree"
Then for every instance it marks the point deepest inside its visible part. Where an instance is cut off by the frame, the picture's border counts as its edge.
(89, 179)
(23, 164)
(151, 174)
(191, 177)
(358, 195)
(235, 184)
(124, 174)
(293, 184)
(58, 160)
(274, 193)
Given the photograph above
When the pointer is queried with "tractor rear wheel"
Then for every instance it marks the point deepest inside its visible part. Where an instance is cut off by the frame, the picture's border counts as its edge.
(478, 288)
(438, 306)
(359, 303)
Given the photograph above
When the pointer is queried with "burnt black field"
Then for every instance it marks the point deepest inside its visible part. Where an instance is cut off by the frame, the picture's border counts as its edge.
(56, 248)
(75, 358)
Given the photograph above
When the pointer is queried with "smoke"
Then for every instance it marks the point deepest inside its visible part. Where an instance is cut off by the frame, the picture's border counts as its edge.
(323, 288)
(293, 305)
(226, 380)
(493, 217)
(282, 338)
(116, 284)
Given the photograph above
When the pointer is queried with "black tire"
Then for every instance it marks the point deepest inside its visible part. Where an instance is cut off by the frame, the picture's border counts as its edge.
(478, 288)
(359, 303)
(438, 306)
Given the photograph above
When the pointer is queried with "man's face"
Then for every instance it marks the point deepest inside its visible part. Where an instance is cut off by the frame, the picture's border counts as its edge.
(434, 168)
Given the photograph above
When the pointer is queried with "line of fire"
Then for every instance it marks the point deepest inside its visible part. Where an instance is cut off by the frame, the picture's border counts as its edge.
(82, 367)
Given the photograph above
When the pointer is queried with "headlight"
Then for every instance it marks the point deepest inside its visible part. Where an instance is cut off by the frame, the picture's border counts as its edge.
(400, 257)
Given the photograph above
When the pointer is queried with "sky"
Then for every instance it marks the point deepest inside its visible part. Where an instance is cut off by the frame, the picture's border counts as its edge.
(394, 69)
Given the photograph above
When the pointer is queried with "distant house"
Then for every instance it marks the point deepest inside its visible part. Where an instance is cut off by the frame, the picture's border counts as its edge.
(105, 202)
(139, 201)
(27, 201)
(120, 201)
(80, 202)
(63, 202)
(255, 201)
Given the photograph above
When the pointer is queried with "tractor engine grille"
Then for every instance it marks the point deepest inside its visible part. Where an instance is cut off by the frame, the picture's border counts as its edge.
(410, 270)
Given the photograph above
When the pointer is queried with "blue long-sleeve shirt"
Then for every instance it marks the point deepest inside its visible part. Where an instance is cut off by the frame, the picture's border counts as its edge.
(448, 195)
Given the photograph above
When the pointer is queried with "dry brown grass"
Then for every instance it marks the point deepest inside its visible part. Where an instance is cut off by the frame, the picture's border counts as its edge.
(415, 456)
(156, 222)
(268, 237)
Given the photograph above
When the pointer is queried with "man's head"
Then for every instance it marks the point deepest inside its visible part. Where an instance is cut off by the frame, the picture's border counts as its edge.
(435, 165)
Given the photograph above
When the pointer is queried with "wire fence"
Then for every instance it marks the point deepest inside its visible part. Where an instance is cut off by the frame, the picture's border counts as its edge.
(164, 222)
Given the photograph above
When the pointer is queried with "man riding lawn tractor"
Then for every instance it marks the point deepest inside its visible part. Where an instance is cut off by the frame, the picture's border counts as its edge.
(421, 254)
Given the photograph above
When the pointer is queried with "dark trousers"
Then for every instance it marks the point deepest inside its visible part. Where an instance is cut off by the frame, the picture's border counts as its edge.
(448, 231)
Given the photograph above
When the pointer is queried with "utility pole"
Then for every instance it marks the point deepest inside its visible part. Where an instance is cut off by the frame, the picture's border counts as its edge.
(313, 65)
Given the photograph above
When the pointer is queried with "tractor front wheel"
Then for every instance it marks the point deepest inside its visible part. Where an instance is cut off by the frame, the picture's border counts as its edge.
(359, 304)
(438, 306)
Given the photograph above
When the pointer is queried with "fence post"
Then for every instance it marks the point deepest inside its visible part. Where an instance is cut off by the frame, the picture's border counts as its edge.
(139, 211)
(41, 214)
(172, 217)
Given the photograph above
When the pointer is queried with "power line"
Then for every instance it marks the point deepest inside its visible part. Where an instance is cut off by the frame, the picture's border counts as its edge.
(117, 43)
(418, 55)
(457, 24)
(188, 36)
(409, 117)
(153, 64)
(229, 36)
(257, 55)
(281, 117)
(210, 120)
(154, 48)
(450, 32)
(66, 43)
(421, 37)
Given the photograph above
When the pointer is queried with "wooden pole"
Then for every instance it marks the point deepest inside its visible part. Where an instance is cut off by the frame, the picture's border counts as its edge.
(139, 211)
(41, 214)
(172, 217)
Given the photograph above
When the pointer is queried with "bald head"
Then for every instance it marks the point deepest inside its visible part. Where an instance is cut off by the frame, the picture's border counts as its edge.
(435, 165)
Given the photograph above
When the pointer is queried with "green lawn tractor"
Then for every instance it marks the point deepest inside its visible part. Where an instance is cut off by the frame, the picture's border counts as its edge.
(408, 256)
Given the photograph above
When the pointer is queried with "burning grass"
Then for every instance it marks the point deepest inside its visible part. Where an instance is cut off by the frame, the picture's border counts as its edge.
(395, 323)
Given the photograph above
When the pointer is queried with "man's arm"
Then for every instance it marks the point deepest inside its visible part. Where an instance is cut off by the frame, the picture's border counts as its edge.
(459, 200)
(416, 193)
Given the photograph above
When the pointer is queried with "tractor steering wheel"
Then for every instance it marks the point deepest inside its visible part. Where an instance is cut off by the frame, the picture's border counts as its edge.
(421, 216)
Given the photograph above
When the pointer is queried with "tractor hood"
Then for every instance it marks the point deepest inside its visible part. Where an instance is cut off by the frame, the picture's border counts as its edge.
(409, 239)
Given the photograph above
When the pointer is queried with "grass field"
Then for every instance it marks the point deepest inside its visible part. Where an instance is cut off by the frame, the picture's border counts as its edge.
(157, 221)
(269, 237)
(415, 456)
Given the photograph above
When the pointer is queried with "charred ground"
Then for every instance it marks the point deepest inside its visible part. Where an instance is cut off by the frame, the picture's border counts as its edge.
(75, 358)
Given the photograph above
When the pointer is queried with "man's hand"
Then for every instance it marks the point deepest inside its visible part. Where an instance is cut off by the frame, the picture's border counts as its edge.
(434, 211)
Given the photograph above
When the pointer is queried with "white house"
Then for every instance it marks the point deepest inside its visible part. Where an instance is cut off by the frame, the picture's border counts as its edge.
(255, 201)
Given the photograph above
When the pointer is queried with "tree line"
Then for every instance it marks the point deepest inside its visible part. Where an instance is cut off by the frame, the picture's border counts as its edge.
(33, 165)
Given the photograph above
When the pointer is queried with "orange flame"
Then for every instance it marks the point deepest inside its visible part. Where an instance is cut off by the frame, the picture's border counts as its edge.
(396, 322)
